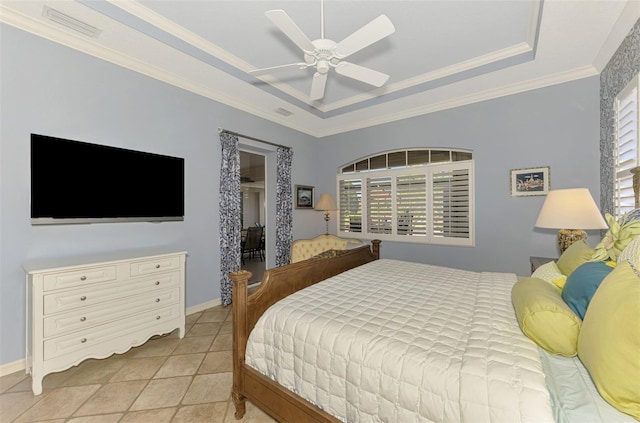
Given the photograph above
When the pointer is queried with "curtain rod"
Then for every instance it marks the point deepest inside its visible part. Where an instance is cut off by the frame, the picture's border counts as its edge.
(221, 130)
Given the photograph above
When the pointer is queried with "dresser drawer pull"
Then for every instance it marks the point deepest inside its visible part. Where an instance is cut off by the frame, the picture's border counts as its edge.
(157, 282)
(82, 319)
(157, 266)
(157, 300)
(83, 278)
(84, 297)
(83, 340)
(157, 317)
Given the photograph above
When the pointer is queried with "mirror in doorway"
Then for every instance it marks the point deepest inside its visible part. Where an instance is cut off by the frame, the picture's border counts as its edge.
(253, 213)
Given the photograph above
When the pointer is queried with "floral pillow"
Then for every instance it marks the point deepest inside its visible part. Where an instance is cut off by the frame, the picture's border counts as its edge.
(618, 237)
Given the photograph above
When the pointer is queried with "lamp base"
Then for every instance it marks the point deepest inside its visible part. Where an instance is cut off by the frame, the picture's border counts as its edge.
(566, 237)
(326, 220)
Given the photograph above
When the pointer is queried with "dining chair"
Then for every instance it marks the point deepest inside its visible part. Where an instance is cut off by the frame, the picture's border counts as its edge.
(252, 243)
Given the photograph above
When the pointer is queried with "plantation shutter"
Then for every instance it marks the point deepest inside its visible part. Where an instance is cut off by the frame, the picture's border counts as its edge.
(626, 147)
(379, 205)
(411, 204)
(350, 203)
(451, 196)
(431, 203)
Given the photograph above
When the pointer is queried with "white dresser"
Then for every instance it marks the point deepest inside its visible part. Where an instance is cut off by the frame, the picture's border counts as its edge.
(92, 307)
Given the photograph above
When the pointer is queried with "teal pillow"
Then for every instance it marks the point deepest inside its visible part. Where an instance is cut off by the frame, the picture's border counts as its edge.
(582, 283)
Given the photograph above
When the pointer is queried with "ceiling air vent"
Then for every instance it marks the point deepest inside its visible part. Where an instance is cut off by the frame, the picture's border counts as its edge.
(71, 23)
(283, 112)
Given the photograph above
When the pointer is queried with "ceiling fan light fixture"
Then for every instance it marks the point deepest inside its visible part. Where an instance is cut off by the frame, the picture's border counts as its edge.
(322, 66)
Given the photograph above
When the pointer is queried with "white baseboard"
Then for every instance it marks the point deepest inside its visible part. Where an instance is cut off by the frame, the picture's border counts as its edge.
(15, 366)
(201, 307)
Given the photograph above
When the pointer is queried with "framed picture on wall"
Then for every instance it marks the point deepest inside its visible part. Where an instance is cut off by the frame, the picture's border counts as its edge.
(304, 197)
(530, 181)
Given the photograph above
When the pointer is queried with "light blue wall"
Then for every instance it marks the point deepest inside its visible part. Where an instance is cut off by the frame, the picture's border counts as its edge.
(556, 126)
(50, 89)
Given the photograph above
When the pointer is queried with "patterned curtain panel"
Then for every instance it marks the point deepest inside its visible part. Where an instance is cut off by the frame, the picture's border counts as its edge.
(284, 204)
(623, 66)
(229, 213)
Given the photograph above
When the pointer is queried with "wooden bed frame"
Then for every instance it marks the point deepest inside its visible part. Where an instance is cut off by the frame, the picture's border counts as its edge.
(277, 401)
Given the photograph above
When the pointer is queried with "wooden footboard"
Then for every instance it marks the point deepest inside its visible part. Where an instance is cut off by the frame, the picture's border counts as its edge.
(280, 403)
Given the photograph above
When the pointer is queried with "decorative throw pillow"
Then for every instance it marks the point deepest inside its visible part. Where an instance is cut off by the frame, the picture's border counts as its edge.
(550, 272)
(544, 317)
(631, 253)
(582, 284)
(620, 234)
(579, 252)
(609, 341)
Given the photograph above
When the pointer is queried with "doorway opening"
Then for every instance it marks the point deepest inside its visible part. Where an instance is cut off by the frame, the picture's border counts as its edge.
(253, 216)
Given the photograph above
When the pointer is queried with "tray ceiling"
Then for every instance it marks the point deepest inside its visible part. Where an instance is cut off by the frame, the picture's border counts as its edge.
(443, 54)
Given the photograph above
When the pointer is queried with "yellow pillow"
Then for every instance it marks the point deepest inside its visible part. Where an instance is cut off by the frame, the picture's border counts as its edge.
(544, 317)
(609, 342)
(578, 253)
(550, 272)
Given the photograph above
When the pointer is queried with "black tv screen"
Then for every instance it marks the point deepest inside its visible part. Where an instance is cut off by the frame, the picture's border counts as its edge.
(79, 182)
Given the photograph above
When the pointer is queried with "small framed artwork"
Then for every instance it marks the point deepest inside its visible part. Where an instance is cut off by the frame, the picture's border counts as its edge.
(530, 181)
(304, 197)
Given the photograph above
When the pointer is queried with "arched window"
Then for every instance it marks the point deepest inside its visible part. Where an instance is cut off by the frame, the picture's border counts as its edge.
(418, 195)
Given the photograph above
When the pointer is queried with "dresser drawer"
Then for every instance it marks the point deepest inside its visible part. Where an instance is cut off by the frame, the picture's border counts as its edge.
(84, 318)
(88, 339)
(69, 279)
(155, 265)
(90, 296)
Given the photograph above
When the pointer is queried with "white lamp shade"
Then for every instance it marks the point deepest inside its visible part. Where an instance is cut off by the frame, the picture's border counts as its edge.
(326, 203)
(571, 209)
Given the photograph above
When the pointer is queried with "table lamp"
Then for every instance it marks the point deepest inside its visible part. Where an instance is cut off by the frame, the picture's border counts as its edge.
(570, 208)
(326, 204)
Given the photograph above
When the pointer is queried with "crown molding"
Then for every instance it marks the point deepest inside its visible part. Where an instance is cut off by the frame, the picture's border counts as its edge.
(77, 42)
(619, 32)
(136, 9)
(85, 45)
(440, 73)
(533, 84)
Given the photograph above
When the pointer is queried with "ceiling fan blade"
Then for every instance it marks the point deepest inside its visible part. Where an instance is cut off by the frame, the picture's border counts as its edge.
(372, 32)
(366, 75)
(290, 29)
(273, 69)
(317, 86)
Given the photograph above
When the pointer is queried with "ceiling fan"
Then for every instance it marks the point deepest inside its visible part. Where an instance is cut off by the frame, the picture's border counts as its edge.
(324, 54)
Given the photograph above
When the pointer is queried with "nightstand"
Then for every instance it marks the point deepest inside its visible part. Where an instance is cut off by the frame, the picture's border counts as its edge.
(539, 261)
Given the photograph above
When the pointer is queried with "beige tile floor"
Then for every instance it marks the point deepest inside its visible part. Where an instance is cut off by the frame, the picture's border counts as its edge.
(167, 379)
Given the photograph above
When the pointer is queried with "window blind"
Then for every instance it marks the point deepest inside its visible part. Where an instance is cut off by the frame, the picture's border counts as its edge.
(411, 203)
(450, 194)
(626, 148)
(379, 207)
(429, 204)
(350, 204)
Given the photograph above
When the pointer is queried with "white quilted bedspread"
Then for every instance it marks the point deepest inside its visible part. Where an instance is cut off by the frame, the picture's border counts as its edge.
(395, 341)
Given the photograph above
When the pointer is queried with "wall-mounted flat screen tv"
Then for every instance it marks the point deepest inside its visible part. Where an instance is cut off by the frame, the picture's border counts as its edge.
(79, 182)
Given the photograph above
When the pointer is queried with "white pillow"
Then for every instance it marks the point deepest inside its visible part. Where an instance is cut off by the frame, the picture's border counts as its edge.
(550, 273)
